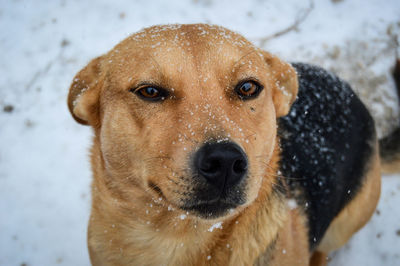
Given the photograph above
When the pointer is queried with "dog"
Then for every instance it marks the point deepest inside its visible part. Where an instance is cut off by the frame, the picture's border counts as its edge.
(210, 151)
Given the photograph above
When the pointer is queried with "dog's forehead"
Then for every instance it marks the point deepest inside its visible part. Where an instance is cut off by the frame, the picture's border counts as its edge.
(190, 34)
(171, 44)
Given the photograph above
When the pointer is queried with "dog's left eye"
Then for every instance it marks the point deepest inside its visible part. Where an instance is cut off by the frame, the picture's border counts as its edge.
(248, 89)
(151, 93)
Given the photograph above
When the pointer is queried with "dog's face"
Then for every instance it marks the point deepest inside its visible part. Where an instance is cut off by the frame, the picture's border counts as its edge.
(186, 114)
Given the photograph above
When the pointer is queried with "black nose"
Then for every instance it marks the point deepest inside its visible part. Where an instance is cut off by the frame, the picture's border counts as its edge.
(221, 164)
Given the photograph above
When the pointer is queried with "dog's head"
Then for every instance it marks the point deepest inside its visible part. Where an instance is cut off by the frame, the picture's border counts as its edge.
(186, 114)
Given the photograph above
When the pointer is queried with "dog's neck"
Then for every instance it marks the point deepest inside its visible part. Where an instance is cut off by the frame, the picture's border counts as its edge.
(157, 234)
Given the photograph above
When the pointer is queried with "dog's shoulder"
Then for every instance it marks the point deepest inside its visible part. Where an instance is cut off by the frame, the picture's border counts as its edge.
(327, 141)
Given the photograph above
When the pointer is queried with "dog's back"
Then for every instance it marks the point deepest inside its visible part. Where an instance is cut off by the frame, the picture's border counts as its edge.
(327, 142)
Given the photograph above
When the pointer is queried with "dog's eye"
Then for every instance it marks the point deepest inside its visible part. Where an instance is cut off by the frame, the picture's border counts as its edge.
(151, 93)
(248, 89)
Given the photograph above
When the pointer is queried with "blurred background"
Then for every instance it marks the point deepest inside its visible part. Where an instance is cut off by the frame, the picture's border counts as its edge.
(44, 167)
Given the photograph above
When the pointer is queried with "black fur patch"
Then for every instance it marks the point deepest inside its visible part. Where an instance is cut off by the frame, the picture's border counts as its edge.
(326, 142)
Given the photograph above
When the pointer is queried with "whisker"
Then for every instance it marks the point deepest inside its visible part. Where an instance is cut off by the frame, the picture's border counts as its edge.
(281, 176)
(250, 135)
(158, 157)
(187, 138)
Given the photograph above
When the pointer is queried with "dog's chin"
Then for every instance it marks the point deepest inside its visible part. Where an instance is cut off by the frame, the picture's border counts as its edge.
(213, 210)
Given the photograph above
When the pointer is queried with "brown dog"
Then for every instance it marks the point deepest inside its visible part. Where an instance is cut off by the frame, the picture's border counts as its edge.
(186, 157)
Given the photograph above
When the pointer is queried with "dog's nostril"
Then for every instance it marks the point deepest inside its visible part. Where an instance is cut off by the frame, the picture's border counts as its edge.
(239, 166)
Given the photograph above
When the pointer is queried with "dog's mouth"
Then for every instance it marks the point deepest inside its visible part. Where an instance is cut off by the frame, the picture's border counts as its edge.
(156, 189)
(211, 210)
(217, 207)
(210, 206)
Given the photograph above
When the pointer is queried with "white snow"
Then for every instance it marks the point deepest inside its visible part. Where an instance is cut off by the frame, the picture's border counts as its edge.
(44, 167)
(215, 226)
(292, 204)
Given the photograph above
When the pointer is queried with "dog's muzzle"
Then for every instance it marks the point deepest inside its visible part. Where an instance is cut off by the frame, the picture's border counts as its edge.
(222, 165)
(219, 175)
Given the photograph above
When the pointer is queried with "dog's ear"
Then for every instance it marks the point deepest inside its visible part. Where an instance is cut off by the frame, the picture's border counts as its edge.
(285, 83)
(83, 97)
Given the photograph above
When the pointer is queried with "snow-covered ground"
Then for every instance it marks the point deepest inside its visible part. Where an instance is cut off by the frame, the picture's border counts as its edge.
(44, 168)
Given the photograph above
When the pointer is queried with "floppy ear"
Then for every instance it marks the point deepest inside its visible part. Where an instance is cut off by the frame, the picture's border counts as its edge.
(285, 83)
(83, 97)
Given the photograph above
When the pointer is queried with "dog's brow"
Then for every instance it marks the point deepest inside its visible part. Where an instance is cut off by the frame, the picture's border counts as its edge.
(240, 59)
(157, 65)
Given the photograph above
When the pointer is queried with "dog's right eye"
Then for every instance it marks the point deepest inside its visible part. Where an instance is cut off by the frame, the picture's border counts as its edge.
(151, 93)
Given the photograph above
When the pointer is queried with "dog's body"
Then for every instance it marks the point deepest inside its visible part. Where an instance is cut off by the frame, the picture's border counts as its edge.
(190, 168)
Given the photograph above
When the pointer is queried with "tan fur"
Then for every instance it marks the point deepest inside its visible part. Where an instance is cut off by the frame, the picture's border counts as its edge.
(141, 151)
(392, 166)
(318, 259)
